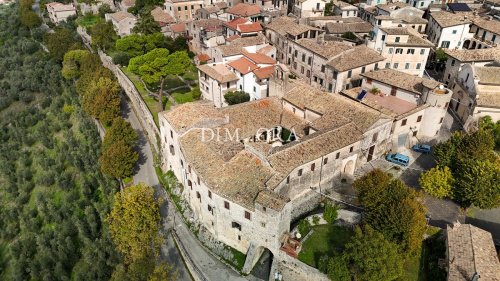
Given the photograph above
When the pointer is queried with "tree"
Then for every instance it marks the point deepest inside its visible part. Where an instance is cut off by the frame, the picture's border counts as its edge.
(236, 97)
(121, 58)
(135, 45)
(142, 5)
(29, 18)
(146, 24)
(445, 153)
(163, 272)
(102, 100)
(103, 35)
(329, 9)
(438, 182)
(118, 160)
(478, 183)
(331, 212)
(156, 65)
(120, 130)
(104, 9)
(71, 63)
(486, 124)
(441, 56)
(373, 257)
(134, 223)
(60, 42)
(338, 269)
(392, 209)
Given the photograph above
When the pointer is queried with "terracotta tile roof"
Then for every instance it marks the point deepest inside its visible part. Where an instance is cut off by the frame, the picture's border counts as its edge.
(233, 37)
(488, 75)
(161, 16)
(258, 58)
(344, 5)
(236, 45)
(326, 49)
(203, 57)
(464, 55)
(60, 7)
(287, 25)
(471, 250)
(392, 6)
(249, 28)
(207, 23)
(243, 65)
(356, 57)
(341, 28)
(188, 115)
(128, 3)
(264, 72)
(245, 10)
(211, 9)
(221, 5)
(447, 19)
(178, 28)
(414, 38)
(218, 72)
(265, 50)
(492, 25)
(121, 15)
(233, 24)
(402, 80)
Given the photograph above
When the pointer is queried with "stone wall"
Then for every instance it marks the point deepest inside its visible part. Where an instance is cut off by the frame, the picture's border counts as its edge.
(292, 269)
(138, 105)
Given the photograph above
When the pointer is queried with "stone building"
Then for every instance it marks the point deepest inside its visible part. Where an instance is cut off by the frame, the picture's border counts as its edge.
(163, 19)
(330, 65)
(123, 22)
(206, 34)
(283, 30)
(476, 93)
(345, 9)
(404, 48)
(448, 30)
(470, 254)
(249, 170)
(59, 12)
(183, 10)
(417, 105)
(457, 58)
(309, 8)
(486, 33)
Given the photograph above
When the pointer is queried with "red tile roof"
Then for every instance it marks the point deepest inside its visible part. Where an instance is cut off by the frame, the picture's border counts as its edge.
(178, 28)
(264, 72)
(259, 58)
(233, 24)
(203, 57)
(243, 65)
(245, 10)
(233, 37)
(246, 28)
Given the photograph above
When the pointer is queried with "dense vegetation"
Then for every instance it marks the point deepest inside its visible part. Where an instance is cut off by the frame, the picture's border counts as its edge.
(53, 199)
(468, 168)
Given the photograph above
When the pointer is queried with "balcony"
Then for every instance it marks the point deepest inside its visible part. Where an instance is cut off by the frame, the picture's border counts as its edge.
(316, 10)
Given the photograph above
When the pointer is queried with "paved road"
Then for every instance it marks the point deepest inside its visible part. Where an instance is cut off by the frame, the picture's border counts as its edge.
(145, 173)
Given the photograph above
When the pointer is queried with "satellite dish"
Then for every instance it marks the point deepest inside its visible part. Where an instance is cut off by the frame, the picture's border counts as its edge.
(298, 235)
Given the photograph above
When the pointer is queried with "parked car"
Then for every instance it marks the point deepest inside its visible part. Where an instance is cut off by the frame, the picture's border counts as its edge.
(398, 158)
(424, 148)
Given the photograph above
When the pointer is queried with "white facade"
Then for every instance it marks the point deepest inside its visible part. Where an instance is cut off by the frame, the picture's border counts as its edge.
(448, 37)
(420, 4)
(123, 22)
(59, 12)
(309, 8)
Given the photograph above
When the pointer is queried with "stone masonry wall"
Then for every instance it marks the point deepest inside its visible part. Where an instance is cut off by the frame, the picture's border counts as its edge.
(138, 105)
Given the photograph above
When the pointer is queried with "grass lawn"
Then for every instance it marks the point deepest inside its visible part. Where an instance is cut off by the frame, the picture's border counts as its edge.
(172, 82)
(325, 239)
(88, 21)
(191, 75)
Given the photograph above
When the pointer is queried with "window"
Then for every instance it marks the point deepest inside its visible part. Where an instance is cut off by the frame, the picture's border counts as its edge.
(391, 50)
(467, 77)
(198, 180)
(374, 137)
(363, 69)
(335, 73)
(383, 36)
(209, 208)
(237, 226)
(228, 85)
(397, 39)
(351, 148)
(171, 134)
(288, 180)
(441, 120)
(415, 133)
(454, 32)
(254, 89)
(445, 44)
(407, 66)
(349, 74)
(445, 105)
(388, 65)
(263, 224)
(299, 173)
(182, 164)
(294, 66)
(337, 156)
(323, 69)
(403, 123)
(493, 38)
(396, 65)
(422, 51)
(303, 57)
(308, 73)
(226, 205)
(393, 91)
(419, 65)
(210, 194)
(198, 195)
(410, 51)
(185, 8)
(313, 166)
(309, 60)
(247, 215)
(295, 54)
(399, 50)
(419, 118)
(376, 66)
(190, 184)
(290, 49)
(330, 87)
(325, 161)
(452, 62)
(179, 9)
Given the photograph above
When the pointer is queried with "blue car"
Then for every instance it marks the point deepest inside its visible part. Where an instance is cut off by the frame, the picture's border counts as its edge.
(424, 148)
(398, 158)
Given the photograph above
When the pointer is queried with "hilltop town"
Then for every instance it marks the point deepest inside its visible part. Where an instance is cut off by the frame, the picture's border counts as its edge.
(251, 140)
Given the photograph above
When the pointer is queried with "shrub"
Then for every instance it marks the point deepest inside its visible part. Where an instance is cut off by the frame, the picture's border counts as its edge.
(236, 97)
(304, 227)
(331, 212)
(315, 220)
(438, 182)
